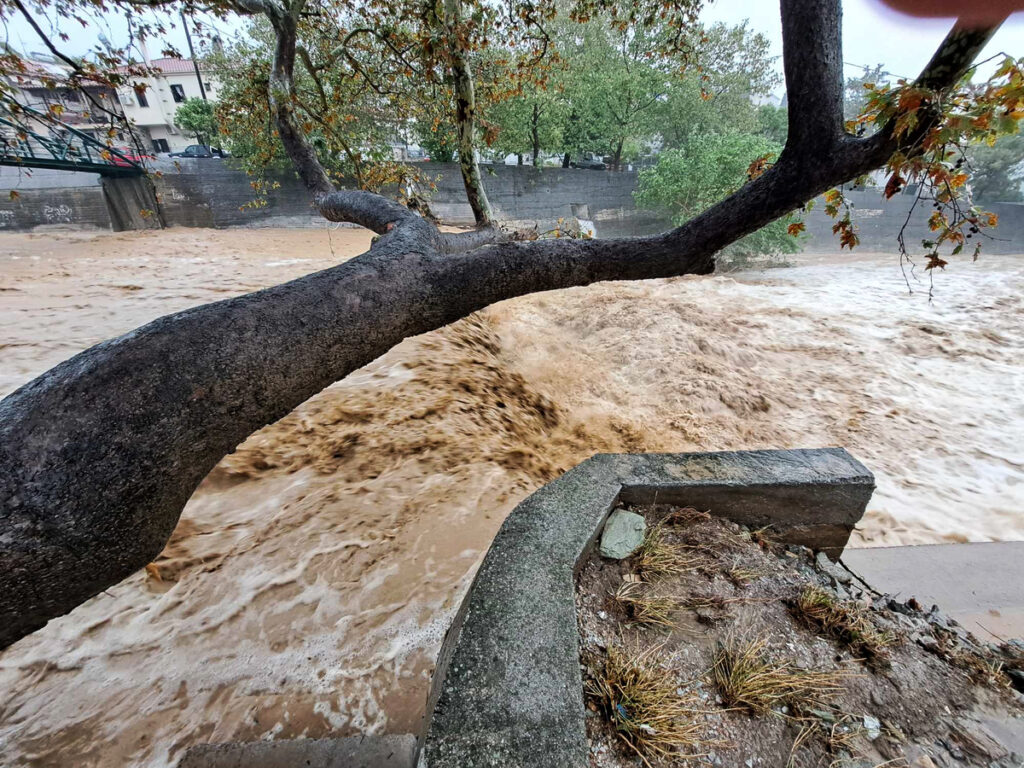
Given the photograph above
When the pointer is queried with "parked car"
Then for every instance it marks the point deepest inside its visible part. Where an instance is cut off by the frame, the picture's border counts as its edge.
(129, 155)
(199, 150)
(589, 163)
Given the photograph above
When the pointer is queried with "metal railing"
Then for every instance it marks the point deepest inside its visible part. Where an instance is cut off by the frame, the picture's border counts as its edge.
(62, 147)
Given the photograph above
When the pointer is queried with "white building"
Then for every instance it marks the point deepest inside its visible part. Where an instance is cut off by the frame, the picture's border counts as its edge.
(42, 84)
(151, 110)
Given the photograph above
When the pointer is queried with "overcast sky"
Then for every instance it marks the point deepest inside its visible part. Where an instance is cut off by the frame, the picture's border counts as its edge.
(872, 34)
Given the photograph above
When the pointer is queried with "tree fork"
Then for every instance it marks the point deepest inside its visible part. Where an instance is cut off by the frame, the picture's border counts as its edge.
(99, 455)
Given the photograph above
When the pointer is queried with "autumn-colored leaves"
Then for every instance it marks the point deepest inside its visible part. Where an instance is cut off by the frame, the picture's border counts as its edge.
(935, 157)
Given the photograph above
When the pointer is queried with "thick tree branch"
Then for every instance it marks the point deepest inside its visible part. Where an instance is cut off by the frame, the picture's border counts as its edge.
(281, 93)
(366, 209)
(947, 67)
(460, 242)
(812, 56)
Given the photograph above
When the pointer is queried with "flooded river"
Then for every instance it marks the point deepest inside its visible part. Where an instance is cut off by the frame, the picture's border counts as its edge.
(312, 576)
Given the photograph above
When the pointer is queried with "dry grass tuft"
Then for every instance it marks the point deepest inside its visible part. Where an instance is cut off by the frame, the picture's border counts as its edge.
(685, 516)
(843, 736)
(645, 608)
(658, 557)
(747, 678)
(742, 577)
(844, 621)
(641, 701)
(982, 670)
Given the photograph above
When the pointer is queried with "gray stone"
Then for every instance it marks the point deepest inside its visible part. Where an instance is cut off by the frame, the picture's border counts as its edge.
(623, 534)
(873, 727)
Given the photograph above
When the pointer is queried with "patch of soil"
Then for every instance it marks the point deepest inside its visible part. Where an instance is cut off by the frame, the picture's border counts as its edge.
(738, 651)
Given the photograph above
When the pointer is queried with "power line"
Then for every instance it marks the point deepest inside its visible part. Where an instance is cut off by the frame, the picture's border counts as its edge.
(866, 67)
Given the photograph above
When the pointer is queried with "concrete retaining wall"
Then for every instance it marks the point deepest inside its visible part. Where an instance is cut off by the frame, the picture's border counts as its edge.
(878, 222)
(214, 193)
(507, 689)
(79, 207)
(131, 203)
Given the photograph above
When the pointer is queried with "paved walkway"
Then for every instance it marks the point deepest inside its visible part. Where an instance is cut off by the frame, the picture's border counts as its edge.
(979, 585)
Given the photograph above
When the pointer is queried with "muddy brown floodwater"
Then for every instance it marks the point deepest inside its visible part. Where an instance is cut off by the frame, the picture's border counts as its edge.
(306, 590)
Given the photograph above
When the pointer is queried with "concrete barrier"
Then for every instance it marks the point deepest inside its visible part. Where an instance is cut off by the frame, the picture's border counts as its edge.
(397, 751)
(216, 193)
(507, 689)
(131, 203)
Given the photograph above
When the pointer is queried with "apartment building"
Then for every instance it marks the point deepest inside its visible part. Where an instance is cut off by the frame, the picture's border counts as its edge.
(43, 85)
(151, 110)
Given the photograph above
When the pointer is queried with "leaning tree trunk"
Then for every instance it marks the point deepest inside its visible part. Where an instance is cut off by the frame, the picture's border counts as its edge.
(100, 454)
(617, 157)
(465, 117)
(535, 134)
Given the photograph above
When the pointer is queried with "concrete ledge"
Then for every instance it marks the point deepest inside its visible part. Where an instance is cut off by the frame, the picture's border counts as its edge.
(507, 690)
(979, 585)
(351, 752)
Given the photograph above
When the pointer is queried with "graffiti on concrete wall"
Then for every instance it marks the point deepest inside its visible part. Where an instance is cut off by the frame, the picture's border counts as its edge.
(58, 214)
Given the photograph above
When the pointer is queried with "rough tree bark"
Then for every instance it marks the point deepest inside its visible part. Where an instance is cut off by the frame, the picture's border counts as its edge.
(99, 455)
(465, 117)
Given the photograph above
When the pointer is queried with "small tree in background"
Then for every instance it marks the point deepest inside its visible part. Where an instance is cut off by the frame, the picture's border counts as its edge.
(709, 168)
(195, 116)
(998, 170)
(438, 141)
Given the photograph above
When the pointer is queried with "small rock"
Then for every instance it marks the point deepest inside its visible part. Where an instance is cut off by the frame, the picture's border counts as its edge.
(827, 566)
(623, 534)
(873, 726)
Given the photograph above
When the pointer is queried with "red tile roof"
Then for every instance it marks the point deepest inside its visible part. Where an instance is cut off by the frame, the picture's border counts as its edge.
(170, 66)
